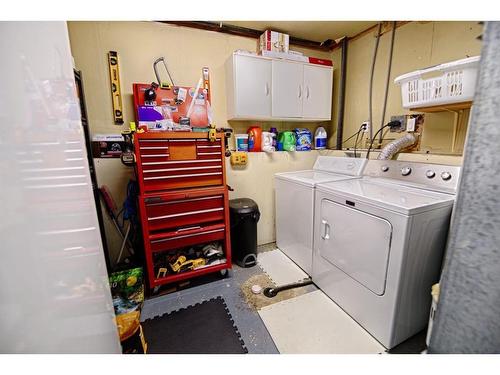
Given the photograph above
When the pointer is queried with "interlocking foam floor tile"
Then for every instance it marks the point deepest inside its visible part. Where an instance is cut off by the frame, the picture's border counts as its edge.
(280, 268)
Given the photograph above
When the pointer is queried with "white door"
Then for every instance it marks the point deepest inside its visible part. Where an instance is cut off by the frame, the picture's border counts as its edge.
(252, 77)
(317, 95)
(287, 89)
(357, 243)
(54, 290)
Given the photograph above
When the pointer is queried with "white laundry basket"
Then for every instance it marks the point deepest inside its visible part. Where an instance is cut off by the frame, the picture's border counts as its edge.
(455, 82)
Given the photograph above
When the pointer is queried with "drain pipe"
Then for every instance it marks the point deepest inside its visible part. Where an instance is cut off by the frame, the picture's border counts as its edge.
(341, 105)
(273, 292)
(397, 145)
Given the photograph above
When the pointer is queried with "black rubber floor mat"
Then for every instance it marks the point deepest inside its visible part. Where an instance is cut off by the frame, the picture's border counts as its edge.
(205, 328)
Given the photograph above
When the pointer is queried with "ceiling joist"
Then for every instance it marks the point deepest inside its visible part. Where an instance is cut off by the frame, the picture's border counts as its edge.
(327, 45)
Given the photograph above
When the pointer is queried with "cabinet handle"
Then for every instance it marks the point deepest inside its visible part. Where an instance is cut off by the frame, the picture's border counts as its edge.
(188, 235)
(300, 91)
(326, 230)
(188, 228)
(266, 87)
(307, 92)
(186, 214)
(182, 176)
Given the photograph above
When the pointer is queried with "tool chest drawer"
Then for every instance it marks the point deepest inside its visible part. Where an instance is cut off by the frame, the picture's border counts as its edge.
(183, 201)
(186, 236)
(166, 163)
(168, 211)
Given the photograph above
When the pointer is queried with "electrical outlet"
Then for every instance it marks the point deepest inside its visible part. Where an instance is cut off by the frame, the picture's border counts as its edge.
(402, 120)
(365, 127)
(410, 125)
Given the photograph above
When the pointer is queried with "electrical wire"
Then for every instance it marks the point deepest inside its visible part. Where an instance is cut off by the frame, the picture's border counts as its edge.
(389, 67)
(375, 136)
(350, 137)
(356, 141)
(372, 73)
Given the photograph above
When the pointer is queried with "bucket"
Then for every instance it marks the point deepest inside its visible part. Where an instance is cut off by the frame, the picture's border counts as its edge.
(241, 142)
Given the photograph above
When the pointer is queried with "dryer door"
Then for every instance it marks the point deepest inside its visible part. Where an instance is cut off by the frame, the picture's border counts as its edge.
(357, 243)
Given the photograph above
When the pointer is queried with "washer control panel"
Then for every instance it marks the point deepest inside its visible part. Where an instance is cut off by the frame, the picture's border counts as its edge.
(436, 177)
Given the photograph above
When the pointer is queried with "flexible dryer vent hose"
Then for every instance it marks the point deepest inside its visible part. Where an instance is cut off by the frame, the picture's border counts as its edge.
(395, 146)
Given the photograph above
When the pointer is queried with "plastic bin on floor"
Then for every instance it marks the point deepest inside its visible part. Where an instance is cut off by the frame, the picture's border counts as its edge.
(244, 215)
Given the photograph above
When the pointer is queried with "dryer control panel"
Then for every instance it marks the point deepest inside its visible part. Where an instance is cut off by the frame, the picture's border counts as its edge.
(436, 177)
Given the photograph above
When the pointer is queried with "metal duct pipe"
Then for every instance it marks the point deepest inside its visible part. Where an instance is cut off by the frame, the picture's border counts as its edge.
(395, 146)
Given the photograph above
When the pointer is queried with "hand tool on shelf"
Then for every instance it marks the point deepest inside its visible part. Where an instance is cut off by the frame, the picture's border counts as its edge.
(163, 84)
(150, 94)
(127, 157)
(227, 134)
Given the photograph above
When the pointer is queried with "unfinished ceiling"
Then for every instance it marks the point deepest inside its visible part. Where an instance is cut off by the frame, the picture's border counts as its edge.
(317, 31)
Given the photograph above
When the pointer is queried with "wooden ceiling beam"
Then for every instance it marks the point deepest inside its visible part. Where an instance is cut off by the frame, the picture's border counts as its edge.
(327, 45)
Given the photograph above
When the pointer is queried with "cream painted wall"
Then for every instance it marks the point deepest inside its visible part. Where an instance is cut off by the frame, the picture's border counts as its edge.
(186, 51)
(417, 45)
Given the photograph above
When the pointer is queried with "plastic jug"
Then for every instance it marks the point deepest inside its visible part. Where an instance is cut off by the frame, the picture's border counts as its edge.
(254, 139)
(275, 139)
(267, 142)
(286, 141)
(320, 138)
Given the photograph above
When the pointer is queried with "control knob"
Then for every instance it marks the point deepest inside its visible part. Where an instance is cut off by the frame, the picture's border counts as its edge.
(430, 173)
(384, 168)
(446, 176)
(405, 171)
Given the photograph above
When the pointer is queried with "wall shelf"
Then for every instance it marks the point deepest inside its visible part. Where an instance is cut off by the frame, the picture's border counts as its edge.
(444, 108)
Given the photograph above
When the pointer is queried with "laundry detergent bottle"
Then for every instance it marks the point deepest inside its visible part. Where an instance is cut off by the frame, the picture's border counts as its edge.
(267, 142)
(320, 138)
(286, 141)
(275, 138)
(254, 139)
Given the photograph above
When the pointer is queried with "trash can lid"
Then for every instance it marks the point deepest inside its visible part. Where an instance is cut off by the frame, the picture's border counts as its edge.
(243, 205)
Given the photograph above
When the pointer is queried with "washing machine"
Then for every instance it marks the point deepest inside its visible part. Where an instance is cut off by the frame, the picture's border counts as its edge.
(379, 242)
(294, 197)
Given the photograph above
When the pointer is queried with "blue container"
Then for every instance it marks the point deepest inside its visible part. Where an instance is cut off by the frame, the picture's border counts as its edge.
(303, 138)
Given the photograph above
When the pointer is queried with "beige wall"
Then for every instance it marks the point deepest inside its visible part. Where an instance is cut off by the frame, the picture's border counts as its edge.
(416, 46)
(187, 50)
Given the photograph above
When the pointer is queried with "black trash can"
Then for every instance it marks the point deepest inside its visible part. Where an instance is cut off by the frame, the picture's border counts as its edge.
(244, 215)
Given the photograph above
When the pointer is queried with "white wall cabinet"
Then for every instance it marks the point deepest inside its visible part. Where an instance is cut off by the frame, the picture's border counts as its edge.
(249, 87)
(261, 88)
(287, 84)
(317, 102)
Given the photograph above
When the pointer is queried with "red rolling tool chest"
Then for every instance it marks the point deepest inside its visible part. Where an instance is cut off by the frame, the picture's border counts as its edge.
(183, 199)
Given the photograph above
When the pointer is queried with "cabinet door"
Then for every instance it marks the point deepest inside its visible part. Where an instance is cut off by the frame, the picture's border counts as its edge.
(287, 89)
(317, 101)
(252, 77)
